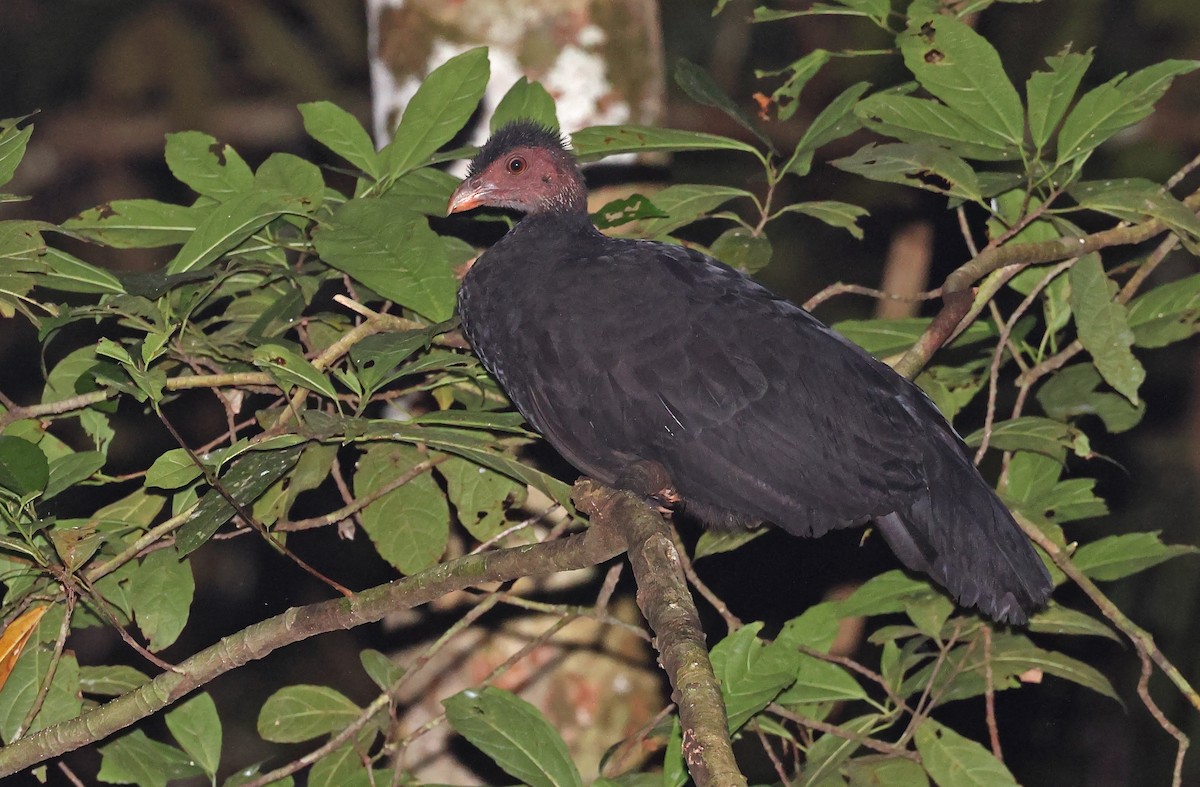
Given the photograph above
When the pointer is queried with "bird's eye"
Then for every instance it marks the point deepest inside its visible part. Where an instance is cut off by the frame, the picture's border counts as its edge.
(516, 165)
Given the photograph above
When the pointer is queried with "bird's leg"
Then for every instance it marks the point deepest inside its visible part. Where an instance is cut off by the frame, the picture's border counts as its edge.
(651, 480)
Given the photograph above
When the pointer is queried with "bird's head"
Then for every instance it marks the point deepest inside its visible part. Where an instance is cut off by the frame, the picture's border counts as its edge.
(524, 166)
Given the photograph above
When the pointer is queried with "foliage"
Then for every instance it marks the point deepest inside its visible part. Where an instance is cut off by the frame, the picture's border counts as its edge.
(263, 303)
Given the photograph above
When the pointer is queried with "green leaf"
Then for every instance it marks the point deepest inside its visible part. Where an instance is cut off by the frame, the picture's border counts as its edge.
(1117, 104)
(799, 73)
(816, 628)
(252, 772)
(877, 770)
(290, 368)
(921, 120)
(600, 141)
(752, 672)
(409, 526)
(675, 772)
(479, 495)
(954, 761)
(1114, 557)
(1033, 483)
(161, 594)
(69, 470)
(882, 338)
(1104, 326)
(514, 734)
(71, 274)
(742, 249)
(820, 682)
(842, 215)
(138, 223)
(1071, 393)
(426, 190)
(441, 106)
(343, 767)
(135, 759)
(714, 542)
(338, 130)
(394, 252)
(23, 467)
(13, 142)
(1057, 619)
(21, 241)
(525, 100)
(303, 712)
(835, 121)
(889, 592)
(1138, 199)
(228, 225)
(20, 690)
(1027, 433)
(110, 680)
(921, 166)
(460, 443)
(380, 667)
(209, 167)
(960, 67)
(826, 756)
(377, 357)
(197, 728)
(299, 179)
(685, 202)
(1049, 93)
(701, 88)
(173, 470)
(246, 480)
(1166, 314)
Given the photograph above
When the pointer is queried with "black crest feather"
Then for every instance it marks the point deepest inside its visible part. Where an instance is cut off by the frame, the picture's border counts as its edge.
(517, 134)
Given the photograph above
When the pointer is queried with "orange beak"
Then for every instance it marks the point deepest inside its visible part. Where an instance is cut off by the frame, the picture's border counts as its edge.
(471, 193)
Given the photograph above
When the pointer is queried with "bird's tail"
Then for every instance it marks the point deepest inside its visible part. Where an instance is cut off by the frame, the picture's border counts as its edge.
(965, 538)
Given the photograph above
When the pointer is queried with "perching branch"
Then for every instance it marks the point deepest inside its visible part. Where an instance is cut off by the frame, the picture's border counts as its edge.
(668, 606)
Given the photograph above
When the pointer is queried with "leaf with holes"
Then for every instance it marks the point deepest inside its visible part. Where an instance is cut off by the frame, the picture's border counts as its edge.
(960, 67)
(921, 166)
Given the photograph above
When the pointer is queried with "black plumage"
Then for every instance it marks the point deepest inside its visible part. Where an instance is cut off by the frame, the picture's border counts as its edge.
(626, 350)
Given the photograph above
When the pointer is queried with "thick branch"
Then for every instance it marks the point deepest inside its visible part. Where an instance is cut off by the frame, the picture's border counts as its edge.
(598, 544)
(667, 605)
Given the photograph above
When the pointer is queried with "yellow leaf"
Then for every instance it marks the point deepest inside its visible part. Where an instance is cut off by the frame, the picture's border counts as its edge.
(12, 642)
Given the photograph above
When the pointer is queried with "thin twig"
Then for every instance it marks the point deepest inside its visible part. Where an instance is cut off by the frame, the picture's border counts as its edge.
(732, 622)
(59, 645)
(989, 695)
(770, 752)
(843, 733)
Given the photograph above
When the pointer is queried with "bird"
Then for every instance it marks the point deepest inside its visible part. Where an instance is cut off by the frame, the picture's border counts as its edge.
(624, 351)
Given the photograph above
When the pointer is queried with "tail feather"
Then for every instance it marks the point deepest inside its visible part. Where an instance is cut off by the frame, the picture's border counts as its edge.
(963, 536)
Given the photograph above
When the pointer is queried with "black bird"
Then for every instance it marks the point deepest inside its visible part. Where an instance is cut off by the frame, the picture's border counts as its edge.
(620, 351)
